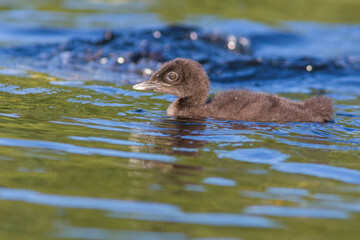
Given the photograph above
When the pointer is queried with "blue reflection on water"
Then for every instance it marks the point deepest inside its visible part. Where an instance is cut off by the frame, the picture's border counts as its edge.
(107, 140)
(288, 191)
(285, 194)
(275, 158)
(320, 170)
(70, 148)
(297, 212)
(219, 181)
(214, 219)
(146, 211)
(13, 115)
(103, 234)
(254, 155)
(194, 188)
(17, 90)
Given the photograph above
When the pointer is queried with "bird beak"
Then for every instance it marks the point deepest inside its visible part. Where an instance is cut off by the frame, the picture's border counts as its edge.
(146, 85)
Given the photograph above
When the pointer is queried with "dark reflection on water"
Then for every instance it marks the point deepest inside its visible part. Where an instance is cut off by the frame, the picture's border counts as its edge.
(239, 54)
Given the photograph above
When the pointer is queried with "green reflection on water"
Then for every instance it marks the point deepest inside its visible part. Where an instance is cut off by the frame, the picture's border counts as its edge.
(70, 174)
(269, 11)
(48, 117)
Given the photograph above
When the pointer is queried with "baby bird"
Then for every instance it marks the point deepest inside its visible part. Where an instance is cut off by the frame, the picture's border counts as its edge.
(186, 79)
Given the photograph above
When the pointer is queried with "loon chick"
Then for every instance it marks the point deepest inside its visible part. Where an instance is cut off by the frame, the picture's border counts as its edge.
(186, 79)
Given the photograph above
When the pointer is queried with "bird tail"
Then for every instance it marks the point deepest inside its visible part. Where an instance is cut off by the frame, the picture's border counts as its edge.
(321, 106)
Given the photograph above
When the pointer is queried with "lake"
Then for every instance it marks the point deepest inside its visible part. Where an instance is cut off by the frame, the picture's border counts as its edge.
(85, 156)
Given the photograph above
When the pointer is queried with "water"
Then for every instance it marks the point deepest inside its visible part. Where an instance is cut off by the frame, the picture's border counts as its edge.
(84, 156)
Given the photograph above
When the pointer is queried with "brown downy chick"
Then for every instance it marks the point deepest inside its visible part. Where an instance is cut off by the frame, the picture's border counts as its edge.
(187, 80)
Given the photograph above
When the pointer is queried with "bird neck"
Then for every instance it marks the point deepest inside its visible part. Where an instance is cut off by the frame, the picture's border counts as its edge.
(191, 101)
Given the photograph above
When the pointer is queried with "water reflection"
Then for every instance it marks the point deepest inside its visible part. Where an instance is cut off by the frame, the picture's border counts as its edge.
(219, 181)
(172, 142)
(297, 212)
(70, 148)
(255, 155)
(103, 234)
(12, 89)
(169, 134)
(145, 211)
(109, 160)
(320, 170)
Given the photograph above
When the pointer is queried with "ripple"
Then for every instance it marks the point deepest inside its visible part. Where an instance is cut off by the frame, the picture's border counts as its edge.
(319, 170)
(136, 209)
(288, 191)
(98, 103)
(16, 90)
(68, 83)
(70, 148)
(14, 72)
(117, 91)
(281, 211)
(219, 181)
(12, 115)
(275, 158)
(317, 146)
(220, 138)
(133, 125)
(107, 140)
(101, 233)
(194, 188)
(216, 238)
(108, 127)
(272, 196)
(254, 155)
(112, 205)
(212, 219)
(347, 206)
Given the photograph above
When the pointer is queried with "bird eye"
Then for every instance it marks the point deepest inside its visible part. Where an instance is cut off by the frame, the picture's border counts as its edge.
(172, 76)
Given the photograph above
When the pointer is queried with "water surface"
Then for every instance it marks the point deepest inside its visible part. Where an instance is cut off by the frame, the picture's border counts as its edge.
(84, 156)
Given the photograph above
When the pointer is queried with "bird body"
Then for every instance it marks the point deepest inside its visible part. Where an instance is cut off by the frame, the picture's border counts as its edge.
(186, 79)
